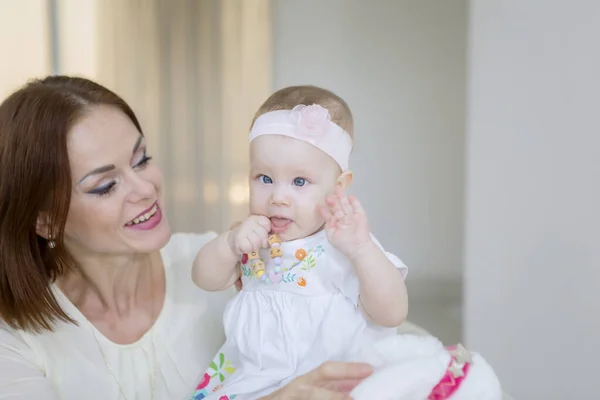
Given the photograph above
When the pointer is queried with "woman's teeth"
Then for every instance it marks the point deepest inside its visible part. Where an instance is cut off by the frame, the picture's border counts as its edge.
(144, 217)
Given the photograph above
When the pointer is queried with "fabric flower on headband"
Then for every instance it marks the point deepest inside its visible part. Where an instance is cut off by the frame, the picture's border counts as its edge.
(311, 121)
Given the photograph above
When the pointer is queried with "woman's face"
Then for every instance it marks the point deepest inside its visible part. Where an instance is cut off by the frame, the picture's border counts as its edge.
(116, 205)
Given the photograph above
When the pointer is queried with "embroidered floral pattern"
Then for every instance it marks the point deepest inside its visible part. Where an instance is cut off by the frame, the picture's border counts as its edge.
(319, 250)
(247, 270)
(310, 260)
(223, 367)
(309, 263)
(288, 277)
(219, 370)
(306, 260)
(300, 254)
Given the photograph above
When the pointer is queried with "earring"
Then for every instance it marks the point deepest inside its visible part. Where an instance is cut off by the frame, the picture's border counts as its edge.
(51, 243)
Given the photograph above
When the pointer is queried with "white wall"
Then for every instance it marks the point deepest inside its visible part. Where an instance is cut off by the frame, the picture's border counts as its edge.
(533, 255)
(401, 67)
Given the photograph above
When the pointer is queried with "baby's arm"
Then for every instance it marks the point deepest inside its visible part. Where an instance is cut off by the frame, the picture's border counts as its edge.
(215, 266)
(382, 292)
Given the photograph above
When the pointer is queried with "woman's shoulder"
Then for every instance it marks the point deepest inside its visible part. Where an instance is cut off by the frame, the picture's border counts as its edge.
(183, 247)
(178, 257)
(13, 344)
(8, 334)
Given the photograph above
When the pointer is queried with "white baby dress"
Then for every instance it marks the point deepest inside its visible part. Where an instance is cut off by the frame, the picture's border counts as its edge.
(303, 317)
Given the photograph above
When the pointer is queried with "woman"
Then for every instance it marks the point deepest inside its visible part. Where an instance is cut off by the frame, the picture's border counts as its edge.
(96, 297)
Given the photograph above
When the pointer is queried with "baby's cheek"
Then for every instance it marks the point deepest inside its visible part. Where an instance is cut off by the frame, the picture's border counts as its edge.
(258, 200)
(316, 217)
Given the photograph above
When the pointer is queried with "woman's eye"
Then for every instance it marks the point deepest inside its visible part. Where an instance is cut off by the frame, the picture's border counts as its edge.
(265, 179)
(299, 181)
(143, 161)
(104, 190)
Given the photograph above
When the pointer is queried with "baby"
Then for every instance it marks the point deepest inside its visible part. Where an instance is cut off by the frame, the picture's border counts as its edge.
(317, 285)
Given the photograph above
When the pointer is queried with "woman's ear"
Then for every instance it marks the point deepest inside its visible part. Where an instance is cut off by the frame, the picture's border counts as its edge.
(42, 225)
(345, 179)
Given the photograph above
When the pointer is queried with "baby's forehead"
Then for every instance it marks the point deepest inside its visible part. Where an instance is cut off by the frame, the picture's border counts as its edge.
(285, 166)
(289, 154)
(277, 147)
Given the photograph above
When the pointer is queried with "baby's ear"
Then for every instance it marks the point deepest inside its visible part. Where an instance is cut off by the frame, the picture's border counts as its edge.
(345, 179)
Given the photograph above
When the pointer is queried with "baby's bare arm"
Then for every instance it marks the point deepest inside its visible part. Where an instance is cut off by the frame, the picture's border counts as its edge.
(383, 294)
(215, 266)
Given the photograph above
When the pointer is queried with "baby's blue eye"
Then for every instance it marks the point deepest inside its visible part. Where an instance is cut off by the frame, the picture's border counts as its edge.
(299, 181)
(265, 179)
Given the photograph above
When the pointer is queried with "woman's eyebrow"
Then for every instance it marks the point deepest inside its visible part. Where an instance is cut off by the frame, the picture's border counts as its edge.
(110, 167)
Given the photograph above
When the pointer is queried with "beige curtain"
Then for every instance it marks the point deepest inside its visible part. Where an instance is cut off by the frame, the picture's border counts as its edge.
(24, 48)
(194, 71)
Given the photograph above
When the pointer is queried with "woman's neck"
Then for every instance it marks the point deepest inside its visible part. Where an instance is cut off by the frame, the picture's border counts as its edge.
(114, 285)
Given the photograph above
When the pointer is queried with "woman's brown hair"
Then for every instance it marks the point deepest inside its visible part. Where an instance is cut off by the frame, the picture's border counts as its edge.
(35, 178)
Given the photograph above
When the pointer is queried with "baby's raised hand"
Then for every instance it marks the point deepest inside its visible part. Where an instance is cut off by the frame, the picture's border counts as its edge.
(250, 235)
(345, 222)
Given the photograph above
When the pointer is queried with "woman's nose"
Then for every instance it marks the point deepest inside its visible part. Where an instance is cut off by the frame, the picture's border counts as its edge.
(141, 188)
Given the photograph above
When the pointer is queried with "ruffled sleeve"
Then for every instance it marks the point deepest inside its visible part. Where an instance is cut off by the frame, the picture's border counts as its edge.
(347, 281)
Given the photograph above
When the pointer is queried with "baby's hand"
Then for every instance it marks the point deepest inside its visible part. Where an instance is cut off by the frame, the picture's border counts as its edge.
(345, 222)
(250, 235)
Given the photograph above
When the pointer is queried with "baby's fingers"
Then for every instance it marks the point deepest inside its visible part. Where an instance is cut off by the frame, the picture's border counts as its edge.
(263, 234)
(335, 207)
(264, 222)
(257, 240)
(325, 212)
(245, 246)
(356, 206)
(343, 201)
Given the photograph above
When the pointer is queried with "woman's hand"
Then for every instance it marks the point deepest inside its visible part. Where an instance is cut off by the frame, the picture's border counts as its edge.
(331, 381)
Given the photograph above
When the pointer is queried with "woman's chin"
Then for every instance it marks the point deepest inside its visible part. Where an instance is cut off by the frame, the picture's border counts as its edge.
(150, 240)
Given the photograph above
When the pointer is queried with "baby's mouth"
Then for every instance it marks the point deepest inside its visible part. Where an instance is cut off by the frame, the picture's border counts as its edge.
(280, 225)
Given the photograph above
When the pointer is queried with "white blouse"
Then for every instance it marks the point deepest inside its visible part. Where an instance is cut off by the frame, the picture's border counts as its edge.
(71, 362)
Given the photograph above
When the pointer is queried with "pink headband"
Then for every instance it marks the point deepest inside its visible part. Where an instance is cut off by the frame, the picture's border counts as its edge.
(311, 124)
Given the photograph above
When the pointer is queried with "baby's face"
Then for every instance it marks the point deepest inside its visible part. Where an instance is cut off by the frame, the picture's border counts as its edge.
(289, 178)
